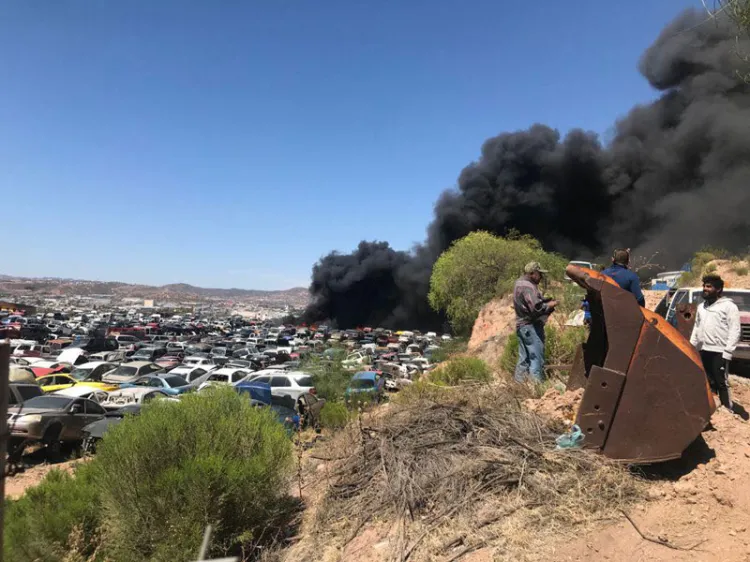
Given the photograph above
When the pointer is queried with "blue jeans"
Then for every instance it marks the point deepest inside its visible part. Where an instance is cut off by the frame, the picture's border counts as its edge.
(530, 353)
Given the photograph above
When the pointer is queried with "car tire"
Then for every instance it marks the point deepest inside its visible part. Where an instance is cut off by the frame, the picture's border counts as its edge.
(51, 439)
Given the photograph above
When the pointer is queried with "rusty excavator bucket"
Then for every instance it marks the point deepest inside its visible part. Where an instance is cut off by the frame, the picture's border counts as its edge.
(646, 394)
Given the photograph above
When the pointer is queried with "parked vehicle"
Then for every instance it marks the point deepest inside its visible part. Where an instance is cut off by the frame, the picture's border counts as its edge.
(82, 391)
(21, 392)
(741, 297)
(169, 383)
(94, 432)
(133, 395)
(225, 375)
(289, 385)
(128, 372)
(365, 386)
(51, 383)
(50, 420)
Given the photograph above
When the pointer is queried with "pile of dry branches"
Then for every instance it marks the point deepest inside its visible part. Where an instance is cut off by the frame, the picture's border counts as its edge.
(473, 457)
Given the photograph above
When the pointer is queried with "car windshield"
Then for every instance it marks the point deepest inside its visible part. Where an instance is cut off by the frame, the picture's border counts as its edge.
(363, 383)
(48, 402)
(175, 381)
(81, 374)
(305, 381)
(143, 352)
(219, 351)
(123, 371)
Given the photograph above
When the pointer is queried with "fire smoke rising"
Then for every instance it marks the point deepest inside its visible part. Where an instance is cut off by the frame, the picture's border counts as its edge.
(675, 177)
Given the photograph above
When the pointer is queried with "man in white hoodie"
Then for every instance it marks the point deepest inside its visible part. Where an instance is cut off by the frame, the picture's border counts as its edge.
(715, 335)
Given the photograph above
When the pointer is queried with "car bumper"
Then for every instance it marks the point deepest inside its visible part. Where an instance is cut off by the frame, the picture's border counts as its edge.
(741, 352)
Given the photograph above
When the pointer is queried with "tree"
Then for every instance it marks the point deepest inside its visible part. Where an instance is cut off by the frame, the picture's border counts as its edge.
(739, 12)
(482, 266)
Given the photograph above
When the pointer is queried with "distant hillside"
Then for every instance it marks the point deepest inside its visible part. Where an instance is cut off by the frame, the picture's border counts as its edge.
(71, 287)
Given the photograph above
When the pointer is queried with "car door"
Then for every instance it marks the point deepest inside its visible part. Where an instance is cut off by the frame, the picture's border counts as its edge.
(93, 412)
(281, 387)
(73, 423)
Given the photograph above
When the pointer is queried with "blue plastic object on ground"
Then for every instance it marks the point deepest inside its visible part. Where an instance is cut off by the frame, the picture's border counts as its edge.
(571, 440)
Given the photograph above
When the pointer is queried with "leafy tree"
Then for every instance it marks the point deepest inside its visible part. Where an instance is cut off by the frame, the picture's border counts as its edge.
(482, 266)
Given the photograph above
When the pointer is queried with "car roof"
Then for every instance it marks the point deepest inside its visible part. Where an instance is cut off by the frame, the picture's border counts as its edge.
(93, 364)
(139, 364)
(365, 375)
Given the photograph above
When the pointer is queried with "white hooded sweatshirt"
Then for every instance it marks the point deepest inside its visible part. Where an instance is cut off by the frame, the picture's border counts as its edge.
(717, 327)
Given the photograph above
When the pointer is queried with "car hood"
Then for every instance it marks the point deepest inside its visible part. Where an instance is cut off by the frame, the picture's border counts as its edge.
(98, 428)
(132, 391)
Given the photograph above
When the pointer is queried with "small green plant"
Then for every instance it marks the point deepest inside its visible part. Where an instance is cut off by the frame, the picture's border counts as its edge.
(40, 524)
(461, 369)
(329, 376)
(741, 270)
(334, 415)
(448, 349)
(710, 268)
(559, 349)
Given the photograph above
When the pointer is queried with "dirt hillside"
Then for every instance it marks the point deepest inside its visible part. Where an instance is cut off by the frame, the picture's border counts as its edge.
(700, 505)
(730, 272)
(496, 321)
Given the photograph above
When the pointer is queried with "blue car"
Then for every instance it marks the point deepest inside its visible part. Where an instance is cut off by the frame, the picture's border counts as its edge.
(169, 384)
(260, 396)
(365, 386)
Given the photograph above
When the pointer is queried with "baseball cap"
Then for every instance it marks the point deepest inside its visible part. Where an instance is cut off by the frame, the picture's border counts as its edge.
(533, 266)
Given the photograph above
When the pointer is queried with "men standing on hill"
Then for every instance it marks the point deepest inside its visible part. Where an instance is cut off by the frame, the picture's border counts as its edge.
(623, 276)
(532, 312)
(715, 335)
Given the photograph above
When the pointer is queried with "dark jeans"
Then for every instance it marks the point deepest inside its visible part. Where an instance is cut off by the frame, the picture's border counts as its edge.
(530, 353)
(717, 371)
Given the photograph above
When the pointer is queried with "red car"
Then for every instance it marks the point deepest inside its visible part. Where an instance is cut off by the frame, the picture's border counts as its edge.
(169, 361)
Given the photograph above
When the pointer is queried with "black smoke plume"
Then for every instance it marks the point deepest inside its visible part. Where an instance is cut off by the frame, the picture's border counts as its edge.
(675, 177)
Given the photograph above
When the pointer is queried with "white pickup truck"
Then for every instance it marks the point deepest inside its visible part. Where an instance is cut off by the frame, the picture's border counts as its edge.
(741, 297)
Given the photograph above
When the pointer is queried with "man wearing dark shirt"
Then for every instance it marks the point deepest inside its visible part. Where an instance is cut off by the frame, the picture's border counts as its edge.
(622, 275)
(532, 312)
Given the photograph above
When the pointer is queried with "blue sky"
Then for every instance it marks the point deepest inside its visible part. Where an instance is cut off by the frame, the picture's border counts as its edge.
(232, 143)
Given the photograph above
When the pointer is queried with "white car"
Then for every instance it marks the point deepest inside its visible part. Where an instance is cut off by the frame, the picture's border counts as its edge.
(82, 391)
(227, 375)
(109, 356)
(128, 372)
(354, 360)
(133, 395)
(291, 384)
(194, 361)
(192, 372)
(92, 371)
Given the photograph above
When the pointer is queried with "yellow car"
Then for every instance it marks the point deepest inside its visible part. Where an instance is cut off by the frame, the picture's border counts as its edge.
(51, 383)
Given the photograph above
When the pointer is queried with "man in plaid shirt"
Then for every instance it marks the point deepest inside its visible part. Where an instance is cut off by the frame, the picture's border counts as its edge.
(532, 312)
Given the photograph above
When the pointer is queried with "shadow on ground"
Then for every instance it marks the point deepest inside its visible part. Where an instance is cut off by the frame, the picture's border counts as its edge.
(697, 453)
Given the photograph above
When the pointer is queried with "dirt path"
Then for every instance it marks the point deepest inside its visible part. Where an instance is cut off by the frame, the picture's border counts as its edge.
(702, 504)
(16, 485)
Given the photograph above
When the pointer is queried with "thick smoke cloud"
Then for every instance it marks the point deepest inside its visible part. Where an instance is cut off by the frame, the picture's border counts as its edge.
(674, 177)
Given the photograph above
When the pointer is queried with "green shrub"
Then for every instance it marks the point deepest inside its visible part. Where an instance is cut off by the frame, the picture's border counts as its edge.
(710, 268)
(212, 459)
(330, 377)
(334, 415)
(741, 270)
(509, 358)
(479, 267)
(559, 349)
(461, 369)
(449, 348)
(40, 524)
